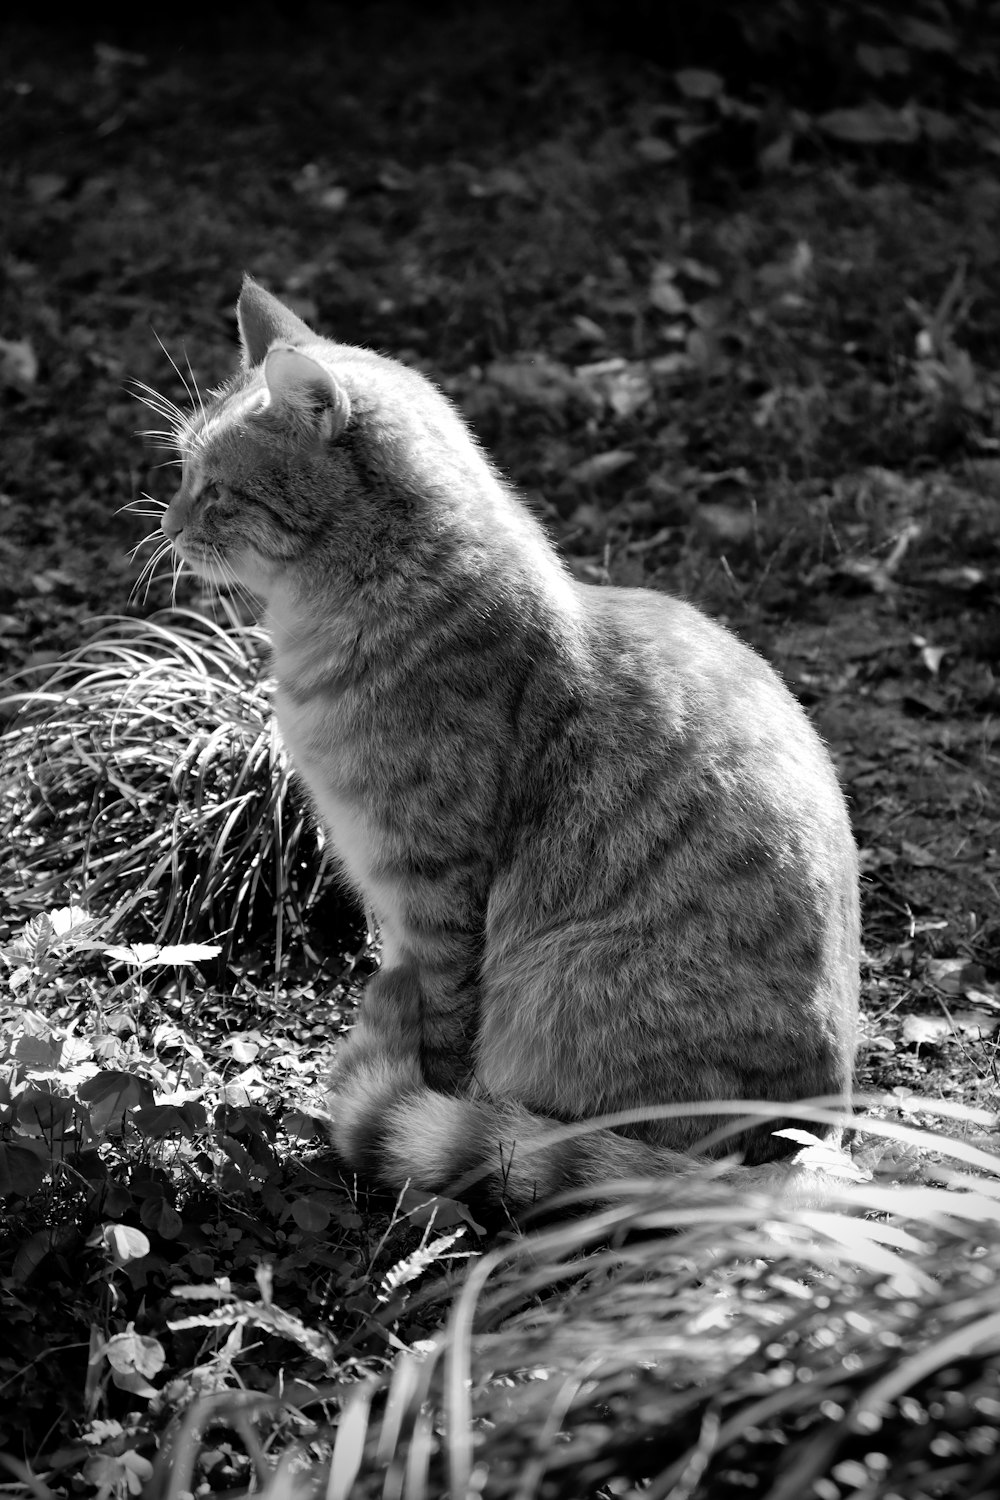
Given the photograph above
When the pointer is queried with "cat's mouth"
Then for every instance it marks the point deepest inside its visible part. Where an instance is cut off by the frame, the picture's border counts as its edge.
(244, 568)
(207, 562)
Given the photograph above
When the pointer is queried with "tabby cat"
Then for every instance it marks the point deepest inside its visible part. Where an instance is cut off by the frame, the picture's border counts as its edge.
(607, 853)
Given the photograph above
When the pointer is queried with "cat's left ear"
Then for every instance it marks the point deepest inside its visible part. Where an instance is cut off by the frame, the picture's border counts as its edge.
(263, 320)
(300, 389)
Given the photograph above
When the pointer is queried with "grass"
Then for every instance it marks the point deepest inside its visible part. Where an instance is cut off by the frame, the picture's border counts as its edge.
(146, 780)
(685, 1343)
(769, 351)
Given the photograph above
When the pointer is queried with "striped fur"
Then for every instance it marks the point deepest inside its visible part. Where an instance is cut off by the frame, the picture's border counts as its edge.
(608, 854)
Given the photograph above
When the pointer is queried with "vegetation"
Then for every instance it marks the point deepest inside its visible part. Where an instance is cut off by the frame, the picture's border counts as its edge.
(729, 317)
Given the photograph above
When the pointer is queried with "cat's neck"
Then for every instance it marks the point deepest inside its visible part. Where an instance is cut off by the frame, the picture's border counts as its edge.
(513, 574)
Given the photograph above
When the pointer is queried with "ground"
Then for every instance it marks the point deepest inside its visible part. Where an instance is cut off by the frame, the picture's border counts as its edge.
(725, 346)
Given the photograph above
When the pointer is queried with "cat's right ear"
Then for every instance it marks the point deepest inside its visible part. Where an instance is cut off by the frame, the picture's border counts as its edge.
(262, 320)
(302, 392)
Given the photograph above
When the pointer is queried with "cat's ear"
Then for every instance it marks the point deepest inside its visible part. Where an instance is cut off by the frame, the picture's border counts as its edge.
(301, 390)
(262, 320)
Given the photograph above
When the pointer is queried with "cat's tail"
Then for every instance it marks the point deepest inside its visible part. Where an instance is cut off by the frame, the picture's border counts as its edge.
(392, 1128)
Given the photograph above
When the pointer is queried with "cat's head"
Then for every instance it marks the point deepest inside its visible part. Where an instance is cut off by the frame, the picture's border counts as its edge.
(316, 457)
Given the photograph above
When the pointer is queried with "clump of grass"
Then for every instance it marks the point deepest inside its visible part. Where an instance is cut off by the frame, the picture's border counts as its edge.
(146, 780)
(722, 1346)
(694, 1343)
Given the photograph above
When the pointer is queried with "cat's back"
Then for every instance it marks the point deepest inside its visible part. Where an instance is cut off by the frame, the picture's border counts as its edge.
(683, 683)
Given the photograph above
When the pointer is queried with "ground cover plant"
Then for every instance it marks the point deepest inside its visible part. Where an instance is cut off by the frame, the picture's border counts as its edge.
(729, 316)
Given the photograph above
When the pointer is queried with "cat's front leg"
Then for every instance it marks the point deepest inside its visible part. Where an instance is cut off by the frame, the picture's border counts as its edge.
(409, 1035)
(419, 1023)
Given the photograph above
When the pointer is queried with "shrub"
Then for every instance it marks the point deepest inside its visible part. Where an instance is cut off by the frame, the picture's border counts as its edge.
(146, 780)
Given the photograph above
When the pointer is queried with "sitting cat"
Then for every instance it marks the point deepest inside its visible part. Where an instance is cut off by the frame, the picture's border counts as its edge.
(607, 852)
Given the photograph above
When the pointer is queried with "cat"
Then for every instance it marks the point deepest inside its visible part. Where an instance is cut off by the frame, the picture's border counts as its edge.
(608, 854)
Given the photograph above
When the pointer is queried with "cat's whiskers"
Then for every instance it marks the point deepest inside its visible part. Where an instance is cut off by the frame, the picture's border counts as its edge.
(180, 376)
(132, 506)
(148, 568)
(237, 585)
(162, 405)
(178, 569)
(167, 445)
(139, 545)
(194, 382)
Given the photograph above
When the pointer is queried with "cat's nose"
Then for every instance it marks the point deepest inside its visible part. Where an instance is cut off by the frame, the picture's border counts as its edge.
(172, 521)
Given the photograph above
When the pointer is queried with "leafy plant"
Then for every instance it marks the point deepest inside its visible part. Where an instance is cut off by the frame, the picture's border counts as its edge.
(681, 1342)
(146, 779)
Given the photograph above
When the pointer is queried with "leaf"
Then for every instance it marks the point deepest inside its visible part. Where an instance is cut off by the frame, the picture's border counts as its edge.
(47, 1115)
(168, 1222)
(655, 150)
(114, 1473)
(243, 1051)
(44, 186)
(878, 61)
(161, 1121)
(143, 955)
(36, 1052)
(974, 1023)
(953, 975)
(600, 465)
(189, 953)
(501, 182)
(871, 125)
(929, 1030)
(312, 1217)
(622, 386)
(925, 36)
(664, 293)
(124, 1244)
(822, 1156)
(18, 365)
(299, 1126)
(801, 1137)
(423, 1209)
(22, 1171)
(698, 83)
(922, 858)
(65, 918)
(111, 1092)
(536, 380)
(34, 1249)
(137, 954)
(776, 156)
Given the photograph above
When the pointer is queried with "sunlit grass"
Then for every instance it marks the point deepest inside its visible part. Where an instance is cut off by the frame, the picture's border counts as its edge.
(145, 780)
(687, 1341)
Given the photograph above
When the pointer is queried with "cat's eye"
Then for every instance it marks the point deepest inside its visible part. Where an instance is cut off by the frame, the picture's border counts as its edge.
(210, 491)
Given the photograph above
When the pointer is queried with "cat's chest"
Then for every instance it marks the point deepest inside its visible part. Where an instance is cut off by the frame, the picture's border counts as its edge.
(326, 757)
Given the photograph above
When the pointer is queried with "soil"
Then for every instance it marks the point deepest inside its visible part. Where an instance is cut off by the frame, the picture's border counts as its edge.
(765, 382)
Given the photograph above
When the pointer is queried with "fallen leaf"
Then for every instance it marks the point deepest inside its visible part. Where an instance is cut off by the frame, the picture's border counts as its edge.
(18, 364)
(44, 186)
(922, 858)
(600, 465)
(871, 124)
(920, 1030)
(698, 83)
(664, 293)
(501, 182)
(875, 858)
(946, 973)
(535, 379)
(724, 523)
(624, 387)
(930, 1030)
(655, 150)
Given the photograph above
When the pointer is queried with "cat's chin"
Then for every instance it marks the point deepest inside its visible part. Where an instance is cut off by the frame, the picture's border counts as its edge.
(245, 573)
